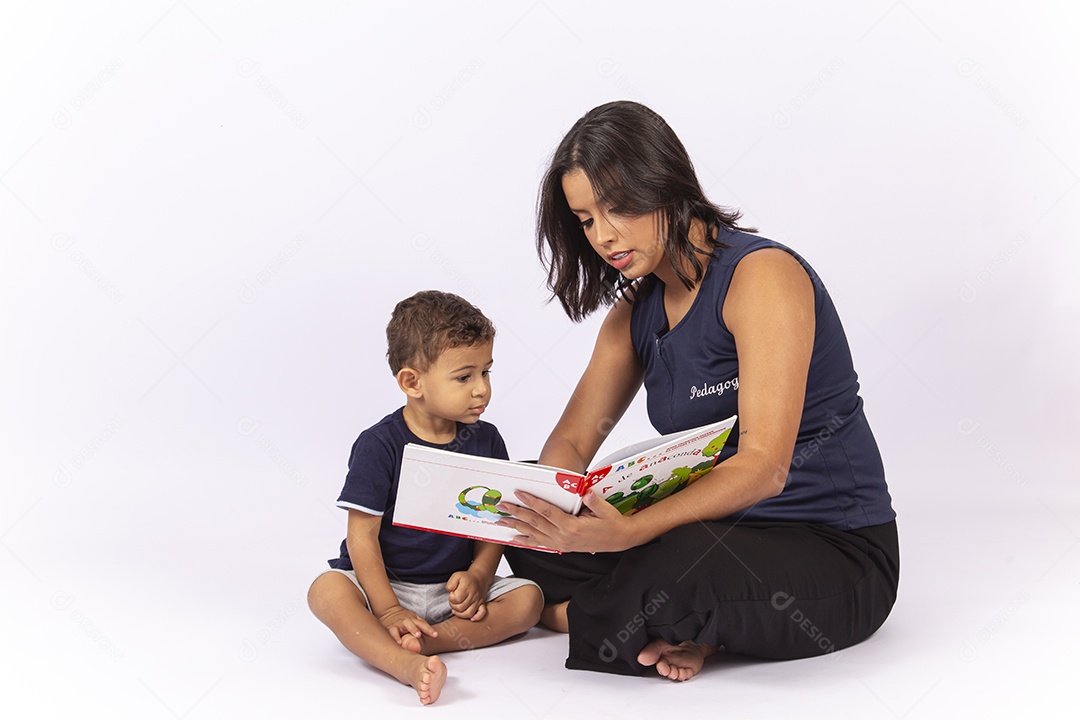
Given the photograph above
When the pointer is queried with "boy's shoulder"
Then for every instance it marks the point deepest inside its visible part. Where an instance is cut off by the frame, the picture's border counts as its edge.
(390, 433)
(389, 426)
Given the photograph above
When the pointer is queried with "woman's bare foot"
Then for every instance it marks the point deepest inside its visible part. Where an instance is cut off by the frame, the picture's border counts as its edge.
(553, 617)
(675, 662)
(427, 675)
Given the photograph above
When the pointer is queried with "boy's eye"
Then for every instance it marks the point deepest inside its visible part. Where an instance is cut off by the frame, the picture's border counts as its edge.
(463, 378)
(486, 373)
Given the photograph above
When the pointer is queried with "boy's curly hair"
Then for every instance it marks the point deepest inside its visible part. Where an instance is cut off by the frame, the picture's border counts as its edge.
(429, 323)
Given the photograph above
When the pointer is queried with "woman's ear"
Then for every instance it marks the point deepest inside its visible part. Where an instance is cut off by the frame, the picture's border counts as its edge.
(408, 379)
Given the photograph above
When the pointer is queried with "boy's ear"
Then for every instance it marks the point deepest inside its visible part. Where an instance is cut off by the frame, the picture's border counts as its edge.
(408, 379)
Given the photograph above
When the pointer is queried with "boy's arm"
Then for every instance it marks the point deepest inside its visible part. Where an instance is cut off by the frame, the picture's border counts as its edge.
(468, 588)
(365, 553)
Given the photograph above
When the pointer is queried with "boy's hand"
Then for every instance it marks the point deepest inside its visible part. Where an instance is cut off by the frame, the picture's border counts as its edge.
(401, 622)
(467, 592)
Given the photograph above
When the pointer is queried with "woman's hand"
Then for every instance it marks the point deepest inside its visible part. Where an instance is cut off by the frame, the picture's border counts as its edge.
(599, 527)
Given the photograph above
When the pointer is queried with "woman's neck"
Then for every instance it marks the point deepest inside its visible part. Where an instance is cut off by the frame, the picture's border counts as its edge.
(666, 272)
(678, 298)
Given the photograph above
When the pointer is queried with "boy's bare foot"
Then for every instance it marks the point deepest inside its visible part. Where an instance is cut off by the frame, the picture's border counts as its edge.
(427, 676)
(553, 617)
(675, 662)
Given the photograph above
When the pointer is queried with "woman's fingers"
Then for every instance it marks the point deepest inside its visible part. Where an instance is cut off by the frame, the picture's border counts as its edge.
(600, 527)
(529, 518)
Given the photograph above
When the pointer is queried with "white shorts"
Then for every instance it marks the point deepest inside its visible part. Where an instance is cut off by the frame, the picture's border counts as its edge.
(431, 601)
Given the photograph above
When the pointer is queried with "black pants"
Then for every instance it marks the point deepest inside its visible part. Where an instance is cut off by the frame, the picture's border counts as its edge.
(769, 590)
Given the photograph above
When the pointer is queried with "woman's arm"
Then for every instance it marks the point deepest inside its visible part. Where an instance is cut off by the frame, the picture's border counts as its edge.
(770, 311)
(606, 388)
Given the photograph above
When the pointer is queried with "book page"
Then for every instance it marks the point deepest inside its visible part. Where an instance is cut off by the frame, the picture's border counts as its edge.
(456, 494)
(645, 473)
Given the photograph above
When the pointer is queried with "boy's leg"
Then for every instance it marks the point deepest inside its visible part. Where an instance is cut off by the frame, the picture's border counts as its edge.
(513, 606)
(341, 606)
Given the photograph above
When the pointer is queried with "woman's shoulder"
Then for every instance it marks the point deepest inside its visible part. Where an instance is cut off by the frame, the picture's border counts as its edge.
(734, 245)
(770, 280)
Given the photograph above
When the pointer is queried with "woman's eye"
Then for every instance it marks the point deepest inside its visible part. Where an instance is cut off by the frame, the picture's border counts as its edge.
(585, 224)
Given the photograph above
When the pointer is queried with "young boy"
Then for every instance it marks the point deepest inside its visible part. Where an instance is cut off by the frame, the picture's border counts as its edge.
(396, 597)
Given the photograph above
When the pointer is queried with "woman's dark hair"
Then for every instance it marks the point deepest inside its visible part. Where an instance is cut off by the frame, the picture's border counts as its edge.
(636, 165)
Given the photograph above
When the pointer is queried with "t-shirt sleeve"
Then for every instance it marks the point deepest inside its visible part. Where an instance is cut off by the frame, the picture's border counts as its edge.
(370, 478)
(498, 446)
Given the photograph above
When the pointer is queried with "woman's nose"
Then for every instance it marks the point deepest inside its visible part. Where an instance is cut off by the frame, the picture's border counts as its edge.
(605, 231)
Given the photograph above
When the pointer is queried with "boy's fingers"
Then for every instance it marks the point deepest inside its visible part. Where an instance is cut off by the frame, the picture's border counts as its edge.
(480, 614)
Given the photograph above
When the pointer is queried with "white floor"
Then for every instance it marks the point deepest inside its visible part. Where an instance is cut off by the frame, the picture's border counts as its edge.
(208, 210)
(176, 613)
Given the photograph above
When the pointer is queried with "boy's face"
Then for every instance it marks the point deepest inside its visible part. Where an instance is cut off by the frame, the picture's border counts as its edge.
(457, 386)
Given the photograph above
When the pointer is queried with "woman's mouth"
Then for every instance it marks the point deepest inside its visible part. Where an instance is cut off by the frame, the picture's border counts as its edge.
(620, 260)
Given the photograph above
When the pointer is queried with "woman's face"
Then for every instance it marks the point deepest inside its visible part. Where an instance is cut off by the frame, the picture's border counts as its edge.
(629, 243)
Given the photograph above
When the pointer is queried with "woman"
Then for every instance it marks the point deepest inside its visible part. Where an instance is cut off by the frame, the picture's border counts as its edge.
(788, 547)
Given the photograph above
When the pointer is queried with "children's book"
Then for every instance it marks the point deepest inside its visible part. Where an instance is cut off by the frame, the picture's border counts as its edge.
(456, 494)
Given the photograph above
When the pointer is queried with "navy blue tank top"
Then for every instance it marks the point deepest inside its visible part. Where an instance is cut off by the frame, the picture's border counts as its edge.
(692, 378)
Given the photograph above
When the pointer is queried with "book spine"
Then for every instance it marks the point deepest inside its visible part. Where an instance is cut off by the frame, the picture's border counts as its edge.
(570, 483)
(592, 478)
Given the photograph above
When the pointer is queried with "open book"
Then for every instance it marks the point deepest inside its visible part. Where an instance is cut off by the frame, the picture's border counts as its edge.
(456, 494)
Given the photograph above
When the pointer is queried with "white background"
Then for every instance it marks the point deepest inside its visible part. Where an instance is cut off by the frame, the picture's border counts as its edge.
(207, 214)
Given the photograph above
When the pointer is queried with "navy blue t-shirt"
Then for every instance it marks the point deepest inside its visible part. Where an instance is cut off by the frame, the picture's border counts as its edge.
(371, 486)
(692, 378)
